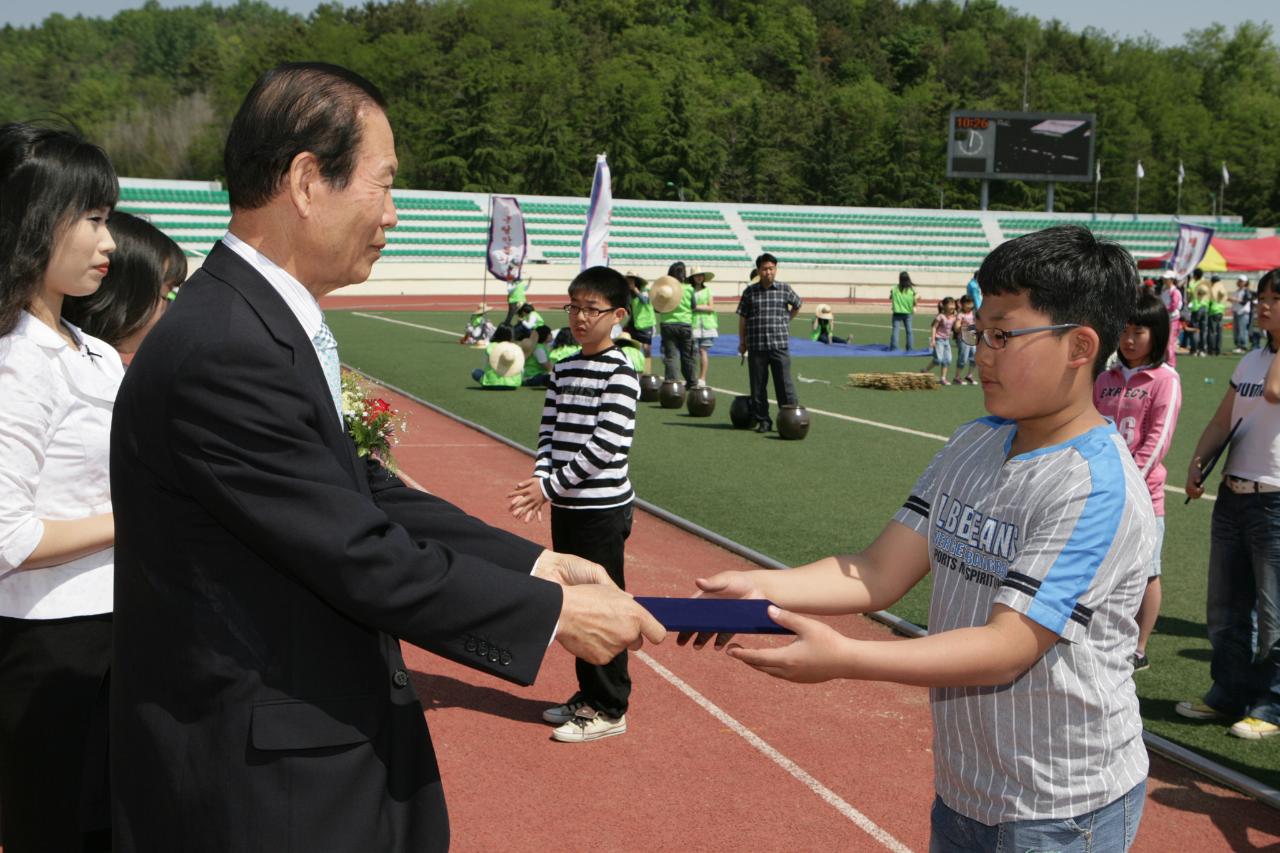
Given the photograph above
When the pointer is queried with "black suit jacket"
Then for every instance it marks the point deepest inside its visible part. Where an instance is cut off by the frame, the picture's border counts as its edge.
(264, 573)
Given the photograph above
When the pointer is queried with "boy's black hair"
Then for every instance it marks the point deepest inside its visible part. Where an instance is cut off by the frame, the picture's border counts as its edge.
(766, 258)
(1149, 311)
(605, 282)
(1071, 276)
(502, 333)
(524, 309)
(677, 271)
(543, 333)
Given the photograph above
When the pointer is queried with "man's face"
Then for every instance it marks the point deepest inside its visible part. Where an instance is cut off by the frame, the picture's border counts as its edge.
(350, 224)
(767, 272)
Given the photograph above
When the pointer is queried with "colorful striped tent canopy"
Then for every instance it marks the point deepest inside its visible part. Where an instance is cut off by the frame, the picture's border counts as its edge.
(1224, 255)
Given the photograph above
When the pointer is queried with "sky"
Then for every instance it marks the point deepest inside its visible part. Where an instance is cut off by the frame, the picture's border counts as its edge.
(1166, 20)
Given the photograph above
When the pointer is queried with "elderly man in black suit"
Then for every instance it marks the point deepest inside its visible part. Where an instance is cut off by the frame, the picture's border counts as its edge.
(264, 572)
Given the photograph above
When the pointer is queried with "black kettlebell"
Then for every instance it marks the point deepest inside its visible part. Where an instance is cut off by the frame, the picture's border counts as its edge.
(649, 385)
(740, 412)
(793, 422)
(671, 394)
(702, 402)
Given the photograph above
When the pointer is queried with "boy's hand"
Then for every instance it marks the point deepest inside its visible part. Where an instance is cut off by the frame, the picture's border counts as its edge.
(723, 585)
(818, 653)
(569, 570)
(527, 500)
(1194, 487)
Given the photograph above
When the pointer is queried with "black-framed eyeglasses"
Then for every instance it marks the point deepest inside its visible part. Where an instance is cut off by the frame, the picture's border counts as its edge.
(588, 312)
(997, 338)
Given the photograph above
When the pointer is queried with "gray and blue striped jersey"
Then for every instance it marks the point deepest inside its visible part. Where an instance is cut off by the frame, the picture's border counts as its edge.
(1062, 535)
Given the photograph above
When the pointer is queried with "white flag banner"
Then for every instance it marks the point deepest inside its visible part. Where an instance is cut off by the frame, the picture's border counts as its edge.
(1193, 242)
(595, 239)
(1226, 176)
(1141, 173)
(508, 242)
(1182, 173)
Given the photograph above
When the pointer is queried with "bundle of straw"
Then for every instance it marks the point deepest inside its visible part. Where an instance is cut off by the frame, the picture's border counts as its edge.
(894, 381)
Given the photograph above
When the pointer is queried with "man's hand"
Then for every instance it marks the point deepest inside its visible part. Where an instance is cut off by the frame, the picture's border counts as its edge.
(527, 499)
(818, 653)
(1195, 488)
(723, 585)
(597, 622)
(568, 570)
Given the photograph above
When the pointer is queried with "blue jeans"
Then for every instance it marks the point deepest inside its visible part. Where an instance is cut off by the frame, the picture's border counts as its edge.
(1240, 327)
(905, 321)
(1244, 587)
(1109, 829)
(966, 356)
(942, 352)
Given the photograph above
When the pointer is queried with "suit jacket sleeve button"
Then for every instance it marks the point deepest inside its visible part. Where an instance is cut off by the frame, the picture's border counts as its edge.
(506, 659)
(493, 655)
(400, 678)
(483, 649)
(471, 644)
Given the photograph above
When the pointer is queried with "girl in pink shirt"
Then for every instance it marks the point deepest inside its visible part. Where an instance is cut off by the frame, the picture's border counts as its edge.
(1142, 395)
(940, 335)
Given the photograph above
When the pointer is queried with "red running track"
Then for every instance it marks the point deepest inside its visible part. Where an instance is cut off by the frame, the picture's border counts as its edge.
(839, 766)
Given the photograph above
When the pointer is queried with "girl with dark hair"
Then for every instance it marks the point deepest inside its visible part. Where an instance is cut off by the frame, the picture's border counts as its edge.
(56, 527)
(147, 266)
(902, 300)
(1142, 395)
(1244, 546)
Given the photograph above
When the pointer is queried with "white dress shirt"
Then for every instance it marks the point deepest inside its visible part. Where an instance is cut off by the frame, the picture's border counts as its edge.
(55, 435)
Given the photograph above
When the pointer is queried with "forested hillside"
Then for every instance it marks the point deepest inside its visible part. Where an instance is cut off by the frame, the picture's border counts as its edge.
(784, 101)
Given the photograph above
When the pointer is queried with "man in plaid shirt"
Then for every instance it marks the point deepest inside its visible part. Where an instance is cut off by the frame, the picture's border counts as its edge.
(765, 312)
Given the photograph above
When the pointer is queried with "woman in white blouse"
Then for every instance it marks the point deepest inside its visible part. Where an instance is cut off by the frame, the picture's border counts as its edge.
(56, 529)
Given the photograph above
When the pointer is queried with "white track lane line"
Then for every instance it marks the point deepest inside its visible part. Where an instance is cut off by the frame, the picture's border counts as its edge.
(837, 415)
(828, 796)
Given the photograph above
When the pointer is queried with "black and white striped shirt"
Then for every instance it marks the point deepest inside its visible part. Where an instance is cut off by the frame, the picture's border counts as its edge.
(585, 437)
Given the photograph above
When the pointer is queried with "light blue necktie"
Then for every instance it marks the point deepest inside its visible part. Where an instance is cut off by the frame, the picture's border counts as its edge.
(327, 350)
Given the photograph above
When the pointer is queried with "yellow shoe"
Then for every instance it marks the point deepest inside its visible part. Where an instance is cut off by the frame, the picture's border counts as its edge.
(1251, 728)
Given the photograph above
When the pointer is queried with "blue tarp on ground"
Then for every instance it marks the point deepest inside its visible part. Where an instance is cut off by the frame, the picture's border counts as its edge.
(727, 345)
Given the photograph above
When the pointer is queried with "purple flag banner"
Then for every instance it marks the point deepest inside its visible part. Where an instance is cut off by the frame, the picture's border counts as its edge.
(1193, 242)
(595, 239)
(508, 242)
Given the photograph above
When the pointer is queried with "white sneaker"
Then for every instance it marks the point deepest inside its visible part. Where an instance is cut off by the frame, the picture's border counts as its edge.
(564, 713)
(590, 724)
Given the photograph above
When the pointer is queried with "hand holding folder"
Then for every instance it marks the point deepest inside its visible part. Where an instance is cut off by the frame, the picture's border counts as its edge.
(1207, 468)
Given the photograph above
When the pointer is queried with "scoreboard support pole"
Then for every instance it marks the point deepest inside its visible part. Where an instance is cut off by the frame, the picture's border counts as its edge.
(1048, 204)
(984, 194)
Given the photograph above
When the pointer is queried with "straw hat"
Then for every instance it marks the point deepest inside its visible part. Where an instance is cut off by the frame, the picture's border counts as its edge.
(623, 336)
(1242, 277)
(482, 308)
(824, 312)
(506, 359)
(706, 276)
(637, 277)
(666, 294)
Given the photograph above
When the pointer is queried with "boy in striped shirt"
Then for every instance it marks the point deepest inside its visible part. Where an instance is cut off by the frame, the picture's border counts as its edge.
(581, 470)
(1037, 529)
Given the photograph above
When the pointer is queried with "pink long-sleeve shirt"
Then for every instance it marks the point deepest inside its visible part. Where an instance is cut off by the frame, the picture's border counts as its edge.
(1144, 406)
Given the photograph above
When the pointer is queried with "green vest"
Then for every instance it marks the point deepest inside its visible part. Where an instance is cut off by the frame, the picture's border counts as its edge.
(559, 354)
(491, 379)
(531, 366)
(903, 301)
(684, 311)
(477, 319)
(534, 320)
(817, 330)
(642, 314)
(635, 355)
(516, 293)
(706, 321)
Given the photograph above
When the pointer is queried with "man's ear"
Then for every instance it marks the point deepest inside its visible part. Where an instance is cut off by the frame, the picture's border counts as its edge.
(1083, 347)
(303, 180)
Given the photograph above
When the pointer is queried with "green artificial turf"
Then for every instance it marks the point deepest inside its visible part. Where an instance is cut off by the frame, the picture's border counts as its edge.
(834, 491)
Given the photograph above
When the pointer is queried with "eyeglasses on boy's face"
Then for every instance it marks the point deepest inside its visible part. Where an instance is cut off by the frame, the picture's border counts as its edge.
(997, 338)
(586, 311)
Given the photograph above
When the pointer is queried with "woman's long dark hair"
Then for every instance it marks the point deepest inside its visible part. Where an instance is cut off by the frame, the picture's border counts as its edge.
(1149, 311)
(140, 267)
(904, 281)
(1269, 281)
(48, 177)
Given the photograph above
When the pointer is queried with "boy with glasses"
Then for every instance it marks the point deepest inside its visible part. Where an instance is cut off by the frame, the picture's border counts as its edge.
(581, 470)
(1037, 528)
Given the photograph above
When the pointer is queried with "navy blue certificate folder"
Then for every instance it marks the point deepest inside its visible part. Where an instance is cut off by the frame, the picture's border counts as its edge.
(718, 615)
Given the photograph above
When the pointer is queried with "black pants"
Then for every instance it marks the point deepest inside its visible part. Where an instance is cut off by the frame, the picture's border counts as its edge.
(677, 341)
(53, 733)
(598, 535)
(759, 364)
